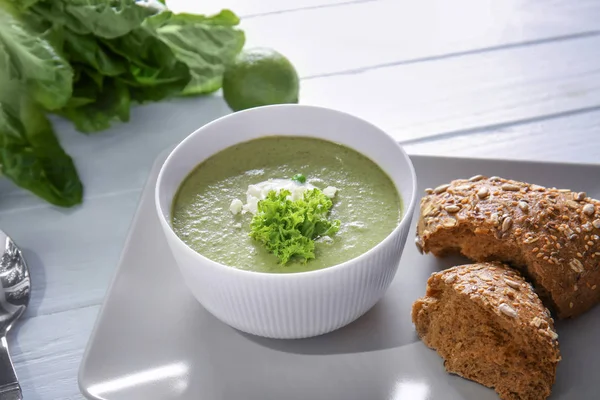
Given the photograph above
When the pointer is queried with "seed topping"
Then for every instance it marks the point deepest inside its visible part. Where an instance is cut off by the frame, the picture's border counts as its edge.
(449, 222)
(576, 265)
(452, 208)
(506, 224)
(441, 189)
(579, 196)
(507, 310)
(483, 192)
(523, 206)
(512, 284)
(418, 244)
(476, 178)
(589, 209)
(508, 187)
(537, 322)
(450, 279)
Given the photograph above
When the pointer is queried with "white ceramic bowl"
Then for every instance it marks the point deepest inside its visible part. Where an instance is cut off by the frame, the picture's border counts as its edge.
(295, 305)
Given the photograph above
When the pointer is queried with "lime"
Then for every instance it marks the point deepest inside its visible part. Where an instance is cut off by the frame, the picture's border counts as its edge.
(259, 77)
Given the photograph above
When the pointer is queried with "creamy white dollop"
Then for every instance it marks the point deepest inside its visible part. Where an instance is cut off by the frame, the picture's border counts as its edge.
(259, 191)
(236, 206)
(330, 191)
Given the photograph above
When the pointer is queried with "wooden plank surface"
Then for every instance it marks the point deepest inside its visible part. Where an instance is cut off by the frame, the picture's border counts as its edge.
(355, 36)
(249, 9)
(470, 92)
(71, 257)
(47, 351)
(571, 138)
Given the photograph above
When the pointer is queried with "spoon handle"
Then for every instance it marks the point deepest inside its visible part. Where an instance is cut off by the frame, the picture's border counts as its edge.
(9, 385)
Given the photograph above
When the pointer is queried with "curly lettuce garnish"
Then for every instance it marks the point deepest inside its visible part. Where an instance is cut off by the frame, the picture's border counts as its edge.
(289, 228)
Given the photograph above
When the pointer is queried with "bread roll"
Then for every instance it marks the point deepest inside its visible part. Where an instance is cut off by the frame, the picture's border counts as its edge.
(489, 326)
(552, 236)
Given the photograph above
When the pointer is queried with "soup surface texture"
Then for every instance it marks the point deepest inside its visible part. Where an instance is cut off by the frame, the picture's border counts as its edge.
(366, 202)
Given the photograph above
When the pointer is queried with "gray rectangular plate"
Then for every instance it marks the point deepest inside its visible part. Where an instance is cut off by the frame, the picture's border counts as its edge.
(153, 340)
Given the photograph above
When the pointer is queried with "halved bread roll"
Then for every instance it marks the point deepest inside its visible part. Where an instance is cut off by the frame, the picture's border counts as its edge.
(552, 236)
(489, 326)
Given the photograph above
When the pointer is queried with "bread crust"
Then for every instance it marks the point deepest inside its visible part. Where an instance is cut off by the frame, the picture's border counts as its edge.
(552, 236)
(489, 325)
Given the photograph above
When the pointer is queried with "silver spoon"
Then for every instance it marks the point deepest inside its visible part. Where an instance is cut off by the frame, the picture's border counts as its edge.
(15, 288)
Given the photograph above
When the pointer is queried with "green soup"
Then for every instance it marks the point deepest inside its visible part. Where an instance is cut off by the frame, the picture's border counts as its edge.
(367, 202)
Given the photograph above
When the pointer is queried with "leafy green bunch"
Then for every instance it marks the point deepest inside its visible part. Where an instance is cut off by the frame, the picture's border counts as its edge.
(289, 228)
(89, 61)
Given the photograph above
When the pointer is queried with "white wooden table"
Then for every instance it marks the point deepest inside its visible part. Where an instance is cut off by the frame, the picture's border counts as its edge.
(477, 78)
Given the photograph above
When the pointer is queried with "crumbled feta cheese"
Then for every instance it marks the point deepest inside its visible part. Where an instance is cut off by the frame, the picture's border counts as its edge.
(252, 205)
(298, 192)
(330, 191)
(259, 191)
(236, 206)
(325, 239)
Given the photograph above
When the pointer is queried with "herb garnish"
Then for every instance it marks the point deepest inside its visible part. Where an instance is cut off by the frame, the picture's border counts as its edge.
(299, 178)
(288, 228)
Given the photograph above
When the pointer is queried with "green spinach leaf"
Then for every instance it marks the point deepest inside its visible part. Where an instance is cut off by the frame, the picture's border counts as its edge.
(205, 44)
(98, 107)
(153, 73)
(88, 50)
(30, 154)
(103, 18)
(32, 60)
